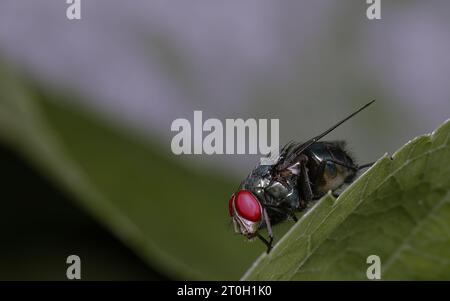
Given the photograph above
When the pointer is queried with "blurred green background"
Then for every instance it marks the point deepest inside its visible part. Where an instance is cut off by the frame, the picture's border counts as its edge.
(86, 108)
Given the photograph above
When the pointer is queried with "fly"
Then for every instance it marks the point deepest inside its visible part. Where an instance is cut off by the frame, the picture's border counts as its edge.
(303, 172)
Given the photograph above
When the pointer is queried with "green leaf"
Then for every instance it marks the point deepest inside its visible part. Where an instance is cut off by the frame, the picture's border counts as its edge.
(173, 216)
(398, 210)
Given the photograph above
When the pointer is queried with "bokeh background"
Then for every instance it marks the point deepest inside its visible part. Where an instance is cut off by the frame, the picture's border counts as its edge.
(86, 108)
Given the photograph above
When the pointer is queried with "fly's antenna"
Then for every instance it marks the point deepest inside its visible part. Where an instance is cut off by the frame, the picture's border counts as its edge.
(320, 136)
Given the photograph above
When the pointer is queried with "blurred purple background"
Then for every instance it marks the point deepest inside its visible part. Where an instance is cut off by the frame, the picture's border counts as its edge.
(309, 63)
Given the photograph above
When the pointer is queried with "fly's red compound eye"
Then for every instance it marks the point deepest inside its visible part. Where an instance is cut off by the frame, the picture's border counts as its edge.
(230, 204)
(247, 206)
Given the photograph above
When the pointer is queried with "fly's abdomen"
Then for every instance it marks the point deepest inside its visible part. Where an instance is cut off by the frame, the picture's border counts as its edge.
(329, 167)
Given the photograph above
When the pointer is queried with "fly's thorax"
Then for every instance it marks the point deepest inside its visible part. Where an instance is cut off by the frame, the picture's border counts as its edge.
(281, 191)
(272, 192)
(257, 181)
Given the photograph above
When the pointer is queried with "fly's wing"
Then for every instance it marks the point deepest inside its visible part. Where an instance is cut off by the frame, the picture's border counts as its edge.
(293, 151)
(290, 154)
(339, 152)
(338, 144)
(289, 158)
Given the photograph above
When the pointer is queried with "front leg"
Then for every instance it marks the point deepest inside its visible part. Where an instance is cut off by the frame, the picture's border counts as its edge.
(267, 243)
(269, 230)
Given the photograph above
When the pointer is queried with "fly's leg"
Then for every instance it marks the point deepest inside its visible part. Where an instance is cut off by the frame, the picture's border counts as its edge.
(365, 165)
(305, 187)
(267, 243)
(294, 218)
(320, 171)
(288, 212)
(354, 167)
(269, 230)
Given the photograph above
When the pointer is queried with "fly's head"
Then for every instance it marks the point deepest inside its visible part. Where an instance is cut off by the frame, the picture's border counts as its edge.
(246, 212)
